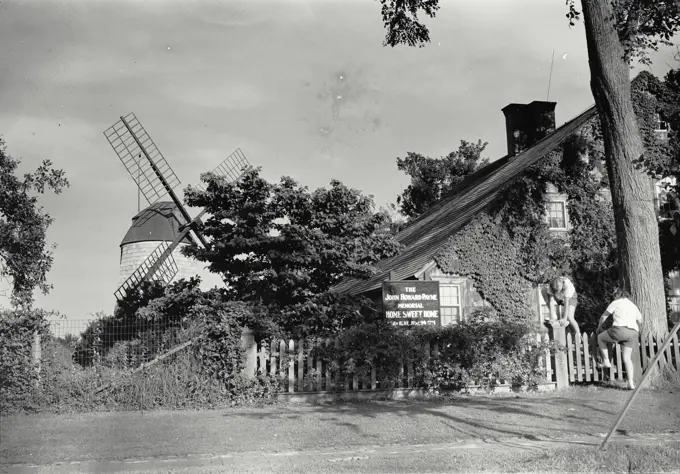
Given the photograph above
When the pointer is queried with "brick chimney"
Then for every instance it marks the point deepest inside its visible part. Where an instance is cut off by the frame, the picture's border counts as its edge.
(526, 124)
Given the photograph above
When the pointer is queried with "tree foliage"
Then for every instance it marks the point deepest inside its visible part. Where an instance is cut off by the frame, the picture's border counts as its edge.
(433, 178)
(663, 160)
(642, 25)
(24, 255)
(283, 247)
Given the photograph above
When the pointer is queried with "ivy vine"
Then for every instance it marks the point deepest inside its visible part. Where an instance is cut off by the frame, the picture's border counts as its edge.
(508, 249)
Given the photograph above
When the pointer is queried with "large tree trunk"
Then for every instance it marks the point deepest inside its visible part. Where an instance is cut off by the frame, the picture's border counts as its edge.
(636, 224)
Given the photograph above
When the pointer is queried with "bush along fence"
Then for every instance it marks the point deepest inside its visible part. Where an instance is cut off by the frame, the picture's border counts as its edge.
(134, 365)
(137, 365)
(305, 369)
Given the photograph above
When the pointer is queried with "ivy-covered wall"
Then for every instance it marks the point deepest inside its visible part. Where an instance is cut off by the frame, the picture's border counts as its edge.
(508, 250)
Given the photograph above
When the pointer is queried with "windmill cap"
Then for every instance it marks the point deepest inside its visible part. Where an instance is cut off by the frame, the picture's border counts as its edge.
(160, 221)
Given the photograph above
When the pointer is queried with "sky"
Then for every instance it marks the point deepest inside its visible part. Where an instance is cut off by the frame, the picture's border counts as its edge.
(304, 88)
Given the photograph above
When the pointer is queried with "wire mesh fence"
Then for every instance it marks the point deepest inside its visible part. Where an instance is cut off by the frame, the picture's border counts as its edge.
(118, 343)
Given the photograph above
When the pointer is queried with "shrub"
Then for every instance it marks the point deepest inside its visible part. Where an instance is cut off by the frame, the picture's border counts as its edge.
(219, 344)
(18, 372)
(485, 350)
(368, 346)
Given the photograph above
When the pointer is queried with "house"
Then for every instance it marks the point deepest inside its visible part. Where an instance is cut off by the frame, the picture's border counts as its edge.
(531, 134)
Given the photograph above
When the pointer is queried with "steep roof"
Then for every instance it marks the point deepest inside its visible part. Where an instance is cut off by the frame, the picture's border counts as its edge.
(424, 236)
(161, 221)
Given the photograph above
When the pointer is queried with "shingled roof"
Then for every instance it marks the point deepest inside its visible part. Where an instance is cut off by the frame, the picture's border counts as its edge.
(425, 236)
(161, 221)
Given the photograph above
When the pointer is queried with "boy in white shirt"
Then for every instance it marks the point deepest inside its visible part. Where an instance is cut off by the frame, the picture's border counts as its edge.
(625, 331)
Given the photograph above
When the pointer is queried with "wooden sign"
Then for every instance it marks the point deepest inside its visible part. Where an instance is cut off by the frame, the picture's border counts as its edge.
(411, 302)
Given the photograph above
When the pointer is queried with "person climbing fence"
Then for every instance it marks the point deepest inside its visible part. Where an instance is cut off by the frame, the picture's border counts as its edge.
(562, 295)
(624, 330)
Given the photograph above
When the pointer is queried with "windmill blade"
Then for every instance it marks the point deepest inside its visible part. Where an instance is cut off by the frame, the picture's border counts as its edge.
(231, 168)
(142, 158)
(145, 163)
(161, 262)
(160, 265)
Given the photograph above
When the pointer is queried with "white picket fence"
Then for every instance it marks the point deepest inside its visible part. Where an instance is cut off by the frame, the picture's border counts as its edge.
(298, 371)
(582, 362)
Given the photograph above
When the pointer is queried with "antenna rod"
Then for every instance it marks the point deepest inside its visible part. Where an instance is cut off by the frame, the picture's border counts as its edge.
(550, 78)
(139, 190)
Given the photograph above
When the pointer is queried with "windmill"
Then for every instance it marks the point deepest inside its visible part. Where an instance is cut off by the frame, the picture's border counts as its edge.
(155, 179)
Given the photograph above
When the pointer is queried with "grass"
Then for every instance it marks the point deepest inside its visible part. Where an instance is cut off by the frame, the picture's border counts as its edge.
(579, 411)
(617, 458)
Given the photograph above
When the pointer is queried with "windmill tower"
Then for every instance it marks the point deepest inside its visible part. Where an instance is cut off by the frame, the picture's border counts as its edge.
(159, 223)
(151, 249)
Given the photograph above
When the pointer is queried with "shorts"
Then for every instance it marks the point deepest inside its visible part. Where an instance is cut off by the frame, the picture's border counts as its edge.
(573, 301)
(625, 336)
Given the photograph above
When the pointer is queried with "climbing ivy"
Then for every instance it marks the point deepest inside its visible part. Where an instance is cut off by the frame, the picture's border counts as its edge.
(485, 252)
(507, 250)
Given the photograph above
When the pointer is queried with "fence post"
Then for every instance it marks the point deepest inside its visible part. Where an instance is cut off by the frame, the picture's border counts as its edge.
(559, 336)
(36, 352)
(636, 358)
(248, 343)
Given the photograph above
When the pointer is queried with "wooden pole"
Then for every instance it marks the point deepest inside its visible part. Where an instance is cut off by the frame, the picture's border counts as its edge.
(146, 365)
(651, 365)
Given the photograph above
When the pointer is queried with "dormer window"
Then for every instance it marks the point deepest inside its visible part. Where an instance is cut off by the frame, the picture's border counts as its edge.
(660, 124)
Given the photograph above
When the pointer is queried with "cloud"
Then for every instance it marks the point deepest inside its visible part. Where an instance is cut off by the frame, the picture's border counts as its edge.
(251, 13)
(220, 93)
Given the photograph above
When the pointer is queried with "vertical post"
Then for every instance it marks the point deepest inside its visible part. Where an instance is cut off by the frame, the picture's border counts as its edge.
(637, 361)
(559, 335)
(139, 183)
(36, 352)
(248, 343)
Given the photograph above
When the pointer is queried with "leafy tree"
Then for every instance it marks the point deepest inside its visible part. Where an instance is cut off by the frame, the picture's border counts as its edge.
(616, 32)
(24, 256)
(283, 247)
(433, 178)
(396, 220)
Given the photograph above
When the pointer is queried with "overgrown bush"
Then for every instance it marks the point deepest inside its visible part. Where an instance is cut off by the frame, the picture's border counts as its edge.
(175, 383)
(485, 350)
(204, 373)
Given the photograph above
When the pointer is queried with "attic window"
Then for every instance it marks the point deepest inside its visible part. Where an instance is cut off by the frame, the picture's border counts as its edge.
(660, 124)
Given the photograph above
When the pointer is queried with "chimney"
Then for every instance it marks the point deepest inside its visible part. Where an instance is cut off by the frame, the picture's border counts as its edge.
(526, 124)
